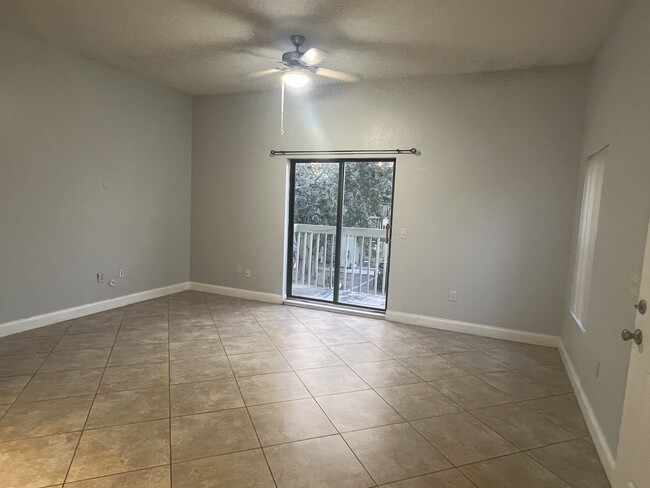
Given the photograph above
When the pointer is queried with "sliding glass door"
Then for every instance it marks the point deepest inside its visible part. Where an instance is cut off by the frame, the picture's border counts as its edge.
(339, 231)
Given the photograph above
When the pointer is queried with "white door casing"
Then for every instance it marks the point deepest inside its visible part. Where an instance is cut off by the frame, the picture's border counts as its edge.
(633, 457)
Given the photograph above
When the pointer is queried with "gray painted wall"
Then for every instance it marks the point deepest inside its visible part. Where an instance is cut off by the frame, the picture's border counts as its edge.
(488, 206)
(618, 114)
(67, 125)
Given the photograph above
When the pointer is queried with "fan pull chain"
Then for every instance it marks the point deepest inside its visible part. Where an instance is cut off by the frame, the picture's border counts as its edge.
(282, 110)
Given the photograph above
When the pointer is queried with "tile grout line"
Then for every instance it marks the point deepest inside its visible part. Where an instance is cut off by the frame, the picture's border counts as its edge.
(99, 383)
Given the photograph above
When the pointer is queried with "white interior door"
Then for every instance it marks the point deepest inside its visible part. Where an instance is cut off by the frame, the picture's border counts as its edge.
(633, 457)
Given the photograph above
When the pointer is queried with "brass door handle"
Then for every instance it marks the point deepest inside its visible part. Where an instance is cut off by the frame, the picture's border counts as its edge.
(637, 335)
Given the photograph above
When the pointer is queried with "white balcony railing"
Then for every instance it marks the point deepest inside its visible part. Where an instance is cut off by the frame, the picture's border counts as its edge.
(364, 258)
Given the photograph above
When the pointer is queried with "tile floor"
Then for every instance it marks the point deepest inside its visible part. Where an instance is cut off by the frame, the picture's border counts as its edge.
(200, 390)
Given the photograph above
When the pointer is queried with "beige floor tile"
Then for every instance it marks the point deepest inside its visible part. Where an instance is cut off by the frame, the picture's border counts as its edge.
(146, 309)
(283, 327)
(384, 373)
(195, 349)
(241, 469)
(36, 462)
(379, 333)
(194, 333)
(450, 478)
(575, 462)
(94, 340)
(69, 360)
(445, 344)
(563, 410)
(238, 330)
(144, 478)
(359, 353)
(431, 368)
(553, 375)
(483, 343)
(476, 362)
(11, 387)
(271, 388)
(334, 337)
(188, 308)
(258, 363)
(248, 344)
(358, 410)
(139, 353)
(418, 401)
(311, 357)
(45, 386)
(395, 452)
(512, 357)
(27, 346)
(112, 450)
(200, 369)
(211, 434)
(153, 334)
(134, 376)
(516, 470)
(271, 314)
(56, 416)
(155, 321)
(470, 392)
(20, 365)
(517, 385)
(109, 326)
(296, 340)
(523, 427)
(324, 323)
(402, 348)
(185, 319)
(293, 464)
(3, 410)
(296, 420)
(205, 396)
(127, 407)
(335, 379)
(462, 438)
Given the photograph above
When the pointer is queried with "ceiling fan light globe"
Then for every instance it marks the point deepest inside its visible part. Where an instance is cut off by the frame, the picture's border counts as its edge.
(296, 79)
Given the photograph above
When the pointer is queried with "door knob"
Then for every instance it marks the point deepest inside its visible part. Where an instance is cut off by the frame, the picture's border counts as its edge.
(642, 306)
(637, 335)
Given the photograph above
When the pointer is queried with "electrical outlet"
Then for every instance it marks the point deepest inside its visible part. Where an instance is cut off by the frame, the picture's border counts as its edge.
(452, 295)
(121, 273)
(238, 268)
(112, 283)
(248, 273)
(100, 277)
(402, 233)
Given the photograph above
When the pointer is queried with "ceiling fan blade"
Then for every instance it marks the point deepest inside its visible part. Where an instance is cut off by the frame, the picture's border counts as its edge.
(265, 72)
(337, 75)
(313, 57)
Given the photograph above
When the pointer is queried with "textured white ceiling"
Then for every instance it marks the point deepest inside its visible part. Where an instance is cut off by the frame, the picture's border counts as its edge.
(209, 46)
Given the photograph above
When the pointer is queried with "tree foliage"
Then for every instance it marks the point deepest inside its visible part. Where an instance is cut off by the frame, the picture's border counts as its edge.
(367, 193)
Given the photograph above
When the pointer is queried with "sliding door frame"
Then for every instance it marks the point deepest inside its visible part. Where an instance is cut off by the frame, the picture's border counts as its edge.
(339, 227)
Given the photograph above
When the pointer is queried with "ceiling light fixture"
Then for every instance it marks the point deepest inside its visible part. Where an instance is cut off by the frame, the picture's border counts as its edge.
(296, 79)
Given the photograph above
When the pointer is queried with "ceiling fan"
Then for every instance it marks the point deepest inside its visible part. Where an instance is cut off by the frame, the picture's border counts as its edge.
(298, 66)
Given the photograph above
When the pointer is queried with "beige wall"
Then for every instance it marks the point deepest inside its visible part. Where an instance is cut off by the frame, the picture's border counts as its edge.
(618, 114)
(67, 125)
(488, 205)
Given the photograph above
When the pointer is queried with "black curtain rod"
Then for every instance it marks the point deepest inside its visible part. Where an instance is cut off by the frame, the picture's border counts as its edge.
(412, 151)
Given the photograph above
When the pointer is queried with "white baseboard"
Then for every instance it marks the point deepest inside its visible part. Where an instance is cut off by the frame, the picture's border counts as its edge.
(535, 338)
(604, 452)
(22, 325)
(236, 292)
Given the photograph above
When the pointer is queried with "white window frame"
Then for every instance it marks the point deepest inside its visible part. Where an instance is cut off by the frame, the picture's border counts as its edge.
(587, 233)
